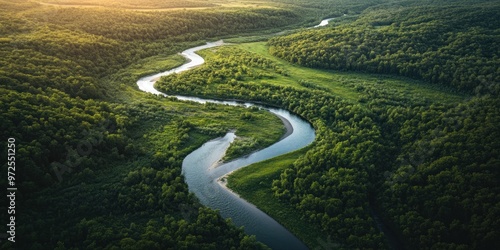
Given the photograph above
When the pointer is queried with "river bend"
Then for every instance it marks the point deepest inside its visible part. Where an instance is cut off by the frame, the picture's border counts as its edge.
(202, 169)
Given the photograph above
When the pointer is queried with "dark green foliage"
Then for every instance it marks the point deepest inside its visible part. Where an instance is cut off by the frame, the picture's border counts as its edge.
(49, 125)
(93, 171)
(429, 169)
(443, 189)
(449, 45)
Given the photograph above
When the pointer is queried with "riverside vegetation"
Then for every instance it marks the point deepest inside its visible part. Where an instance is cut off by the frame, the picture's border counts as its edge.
(424, 156)
(100, 163)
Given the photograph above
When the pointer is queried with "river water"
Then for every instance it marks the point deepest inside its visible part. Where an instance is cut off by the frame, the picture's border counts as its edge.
(203, 172)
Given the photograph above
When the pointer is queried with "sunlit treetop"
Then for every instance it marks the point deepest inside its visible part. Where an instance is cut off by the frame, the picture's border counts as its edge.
(154, 4)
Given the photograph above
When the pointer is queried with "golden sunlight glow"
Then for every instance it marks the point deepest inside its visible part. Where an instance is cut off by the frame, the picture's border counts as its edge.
(156, 4)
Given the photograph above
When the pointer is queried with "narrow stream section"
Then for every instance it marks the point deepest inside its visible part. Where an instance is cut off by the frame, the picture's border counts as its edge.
(203, 172)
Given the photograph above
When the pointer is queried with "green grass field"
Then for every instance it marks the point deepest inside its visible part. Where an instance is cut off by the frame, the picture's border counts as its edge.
(341, 83)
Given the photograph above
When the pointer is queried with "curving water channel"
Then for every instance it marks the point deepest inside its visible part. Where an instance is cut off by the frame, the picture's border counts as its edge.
(204, 173)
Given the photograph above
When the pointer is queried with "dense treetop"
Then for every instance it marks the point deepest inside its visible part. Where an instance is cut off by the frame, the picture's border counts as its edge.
(454, 45)
(418, 162)
(99, 163)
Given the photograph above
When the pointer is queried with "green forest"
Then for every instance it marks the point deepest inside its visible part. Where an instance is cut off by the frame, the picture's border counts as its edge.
(403, 95)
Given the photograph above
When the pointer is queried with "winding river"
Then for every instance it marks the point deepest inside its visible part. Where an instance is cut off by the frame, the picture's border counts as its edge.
(204, 174)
